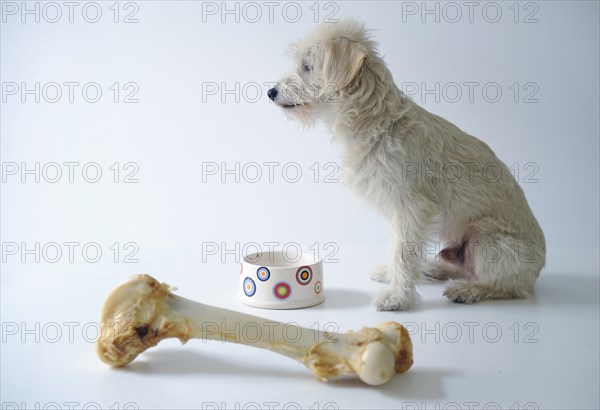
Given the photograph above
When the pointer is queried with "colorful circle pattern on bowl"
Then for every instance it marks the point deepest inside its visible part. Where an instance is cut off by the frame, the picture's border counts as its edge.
(249, 287)
(263, 273)
(277, 283)
(318, 287)
(282, 290)
(304, 275)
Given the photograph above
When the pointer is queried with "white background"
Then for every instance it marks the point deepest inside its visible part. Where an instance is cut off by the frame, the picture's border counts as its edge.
(188, 228)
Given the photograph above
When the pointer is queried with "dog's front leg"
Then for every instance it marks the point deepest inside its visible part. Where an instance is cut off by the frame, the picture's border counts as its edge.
(405, 267)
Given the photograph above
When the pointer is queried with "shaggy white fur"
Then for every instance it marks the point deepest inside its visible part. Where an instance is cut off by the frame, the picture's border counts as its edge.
(432, 181)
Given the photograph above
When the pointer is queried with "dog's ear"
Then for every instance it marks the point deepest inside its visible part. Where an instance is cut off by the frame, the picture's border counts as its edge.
(344, 59)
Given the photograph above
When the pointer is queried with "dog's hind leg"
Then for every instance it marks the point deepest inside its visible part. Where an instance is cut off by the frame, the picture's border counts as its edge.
(467, 291)
(503, 266)
(442, 271)
(449, 264)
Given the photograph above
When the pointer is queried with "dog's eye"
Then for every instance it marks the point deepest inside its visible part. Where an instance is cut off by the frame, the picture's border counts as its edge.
(306, 68)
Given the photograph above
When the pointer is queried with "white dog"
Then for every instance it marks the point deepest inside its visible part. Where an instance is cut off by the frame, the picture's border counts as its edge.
(431, 180)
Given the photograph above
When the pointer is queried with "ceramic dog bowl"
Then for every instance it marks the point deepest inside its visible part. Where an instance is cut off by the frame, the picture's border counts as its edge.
(268, 280)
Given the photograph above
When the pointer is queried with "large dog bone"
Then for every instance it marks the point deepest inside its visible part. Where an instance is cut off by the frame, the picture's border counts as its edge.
(140, 312)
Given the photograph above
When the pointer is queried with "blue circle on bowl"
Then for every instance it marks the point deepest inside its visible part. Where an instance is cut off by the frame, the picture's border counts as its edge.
(249, 287)
(263, 274)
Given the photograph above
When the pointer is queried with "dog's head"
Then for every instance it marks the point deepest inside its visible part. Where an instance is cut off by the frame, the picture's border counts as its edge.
(328, 63)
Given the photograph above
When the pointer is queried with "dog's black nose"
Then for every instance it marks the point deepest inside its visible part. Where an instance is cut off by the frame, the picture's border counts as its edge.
(272, 93)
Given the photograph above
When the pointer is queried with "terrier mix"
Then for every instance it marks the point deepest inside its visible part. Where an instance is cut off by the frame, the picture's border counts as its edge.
(431, 180)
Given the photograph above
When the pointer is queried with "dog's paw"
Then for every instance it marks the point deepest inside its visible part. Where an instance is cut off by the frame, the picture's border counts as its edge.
(393, 300)
(380, 274)
(462, 291)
